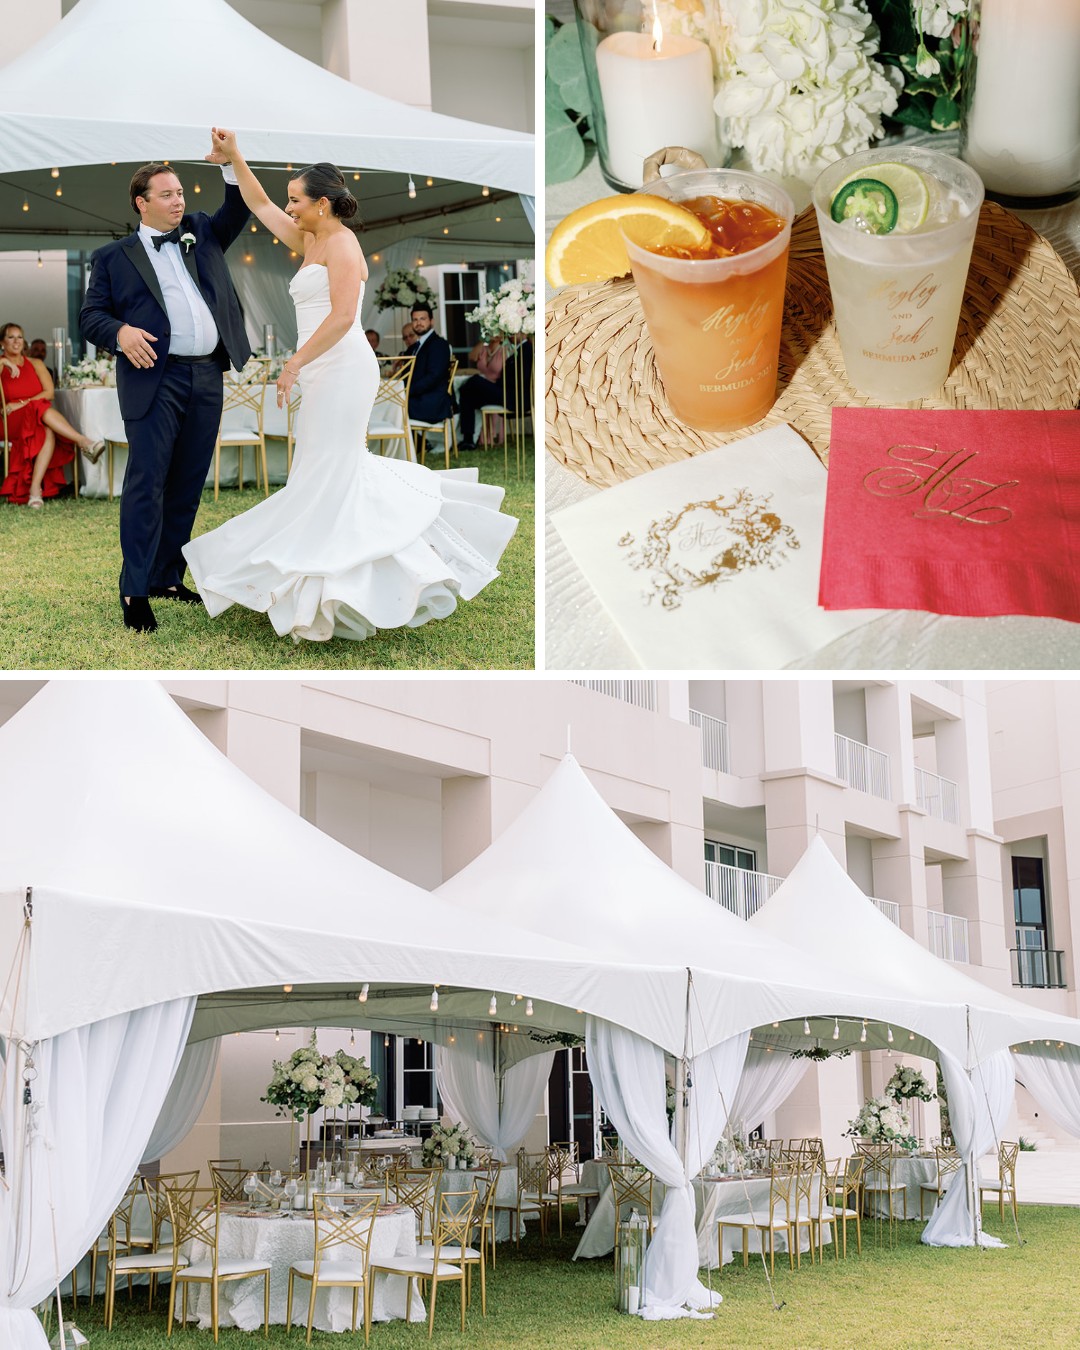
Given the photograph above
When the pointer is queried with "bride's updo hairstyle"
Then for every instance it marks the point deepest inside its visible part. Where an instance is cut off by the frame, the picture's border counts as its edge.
(324, 180)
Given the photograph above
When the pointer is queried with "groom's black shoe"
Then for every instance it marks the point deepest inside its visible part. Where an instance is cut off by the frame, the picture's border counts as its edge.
(180, 592)
(138, 614)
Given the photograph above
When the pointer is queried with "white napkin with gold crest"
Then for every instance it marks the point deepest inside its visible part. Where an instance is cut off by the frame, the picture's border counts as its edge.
(713, 562)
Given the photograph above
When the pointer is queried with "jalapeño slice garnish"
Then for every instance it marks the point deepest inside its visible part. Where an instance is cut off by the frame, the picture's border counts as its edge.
(872, 201)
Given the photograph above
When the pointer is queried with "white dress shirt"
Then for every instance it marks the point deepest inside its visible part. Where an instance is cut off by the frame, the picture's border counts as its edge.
(193, 331)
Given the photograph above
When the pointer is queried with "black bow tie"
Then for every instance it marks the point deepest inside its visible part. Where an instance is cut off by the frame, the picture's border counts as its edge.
(173, 237)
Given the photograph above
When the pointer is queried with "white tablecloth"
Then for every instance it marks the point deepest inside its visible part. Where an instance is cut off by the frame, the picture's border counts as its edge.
(581, 636)
(282, 1241)
(910, 1173)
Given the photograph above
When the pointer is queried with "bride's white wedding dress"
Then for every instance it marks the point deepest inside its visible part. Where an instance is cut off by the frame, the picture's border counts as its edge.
(354, 542)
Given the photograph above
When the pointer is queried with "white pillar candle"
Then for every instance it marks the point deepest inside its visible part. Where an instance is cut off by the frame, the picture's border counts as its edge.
(654, 98)
(1022, 132)
(633, 1299)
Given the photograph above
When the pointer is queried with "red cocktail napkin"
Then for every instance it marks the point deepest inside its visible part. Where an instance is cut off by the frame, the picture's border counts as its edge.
(953, 512)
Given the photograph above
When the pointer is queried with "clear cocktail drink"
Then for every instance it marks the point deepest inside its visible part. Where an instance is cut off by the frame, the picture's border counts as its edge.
(897, 295)
(714, 314)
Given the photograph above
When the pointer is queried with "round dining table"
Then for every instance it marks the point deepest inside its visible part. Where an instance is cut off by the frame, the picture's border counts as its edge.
(282, 1238)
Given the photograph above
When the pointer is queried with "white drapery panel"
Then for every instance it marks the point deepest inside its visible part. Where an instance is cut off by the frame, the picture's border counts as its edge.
(628, 1075)
(979, 1102)
(70, 1154)
(528, 205)
(263, 288)
(187, 1097)
(470, 1093)
(767, 1082)
(1054, 1083)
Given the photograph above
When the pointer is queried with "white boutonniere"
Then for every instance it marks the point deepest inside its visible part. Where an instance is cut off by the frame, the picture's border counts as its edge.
(187, 240)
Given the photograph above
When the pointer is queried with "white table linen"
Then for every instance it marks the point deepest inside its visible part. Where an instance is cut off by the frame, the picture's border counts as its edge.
(281, 1242)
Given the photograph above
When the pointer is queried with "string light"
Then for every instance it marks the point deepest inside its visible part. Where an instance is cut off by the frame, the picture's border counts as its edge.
(453, 1040)
(529, 1010)
(775, 1025)
(412, 190)
(434, 1000)
(836, 1029)
(196, 188)
(498, 220)
(485, 192)
(287, 988)
(431, 182)
(493, 1006)
(419, 262)
(356, 178)
(248, 258)
(277, 241)
(26, 204)
(890, 1036)
(362, 995)
(59, 192)
(386, 1042)
(39, 262)
(277, 1035)
(54, 173)
(911, 1035)
(805, 1027)
(446, 229)
(862, 1036)
(352, 1037)
(254, 229)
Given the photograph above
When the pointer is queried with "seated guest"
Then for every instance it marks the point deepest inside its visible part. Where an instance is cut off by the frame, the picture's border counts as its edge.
(429, 392)
(41, 440)
(408, 335)
(488, 359)
(478, 391)
(372, 335)
(40, 352)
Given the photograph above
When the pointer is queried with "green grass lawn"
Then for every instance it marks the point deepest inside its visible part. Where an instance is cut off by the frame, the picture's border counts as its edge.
(59, 608)
(907, 1297)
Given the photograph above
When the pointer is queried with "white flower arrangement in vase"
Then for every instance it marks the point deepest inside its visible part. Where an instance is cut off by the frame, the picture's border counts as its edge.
(510, 310)
(447, 1147)
(309, 1080)
(907, 1083)
(90, 371)
(883, 1121)
(401, 289)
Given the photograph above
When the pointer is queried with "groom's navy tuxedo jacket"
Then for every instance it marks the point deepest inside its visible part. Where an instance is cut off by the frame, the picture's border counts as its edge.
(124, 289)
(429, 394)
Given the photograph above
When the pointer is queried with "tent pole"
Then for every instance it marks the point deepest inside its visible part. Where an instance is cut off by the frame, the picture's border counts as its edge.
(973, 1168)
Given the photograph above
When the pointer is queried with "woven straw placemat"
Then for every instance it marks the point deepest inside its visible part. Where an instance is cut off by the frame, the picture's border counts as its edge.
(1018, 346)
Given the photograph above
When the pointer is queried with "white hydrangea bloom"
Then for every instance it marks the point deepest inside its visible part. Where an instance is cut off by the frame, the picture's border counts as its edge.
(801, 90)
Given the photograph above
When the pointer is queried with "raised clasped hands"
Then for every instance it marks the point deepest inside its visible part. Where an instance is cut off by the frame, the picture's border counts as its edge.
(286, 382)
(223, 147)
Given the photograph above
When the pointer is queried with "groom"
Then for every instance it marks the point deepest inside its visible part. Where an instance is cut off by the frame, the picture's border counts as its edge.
(161, 299)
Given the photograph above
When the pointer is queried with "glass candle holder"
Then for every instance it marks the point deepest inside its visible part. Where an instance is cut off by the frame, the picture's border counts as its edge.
(651, 72)
(1020, 116)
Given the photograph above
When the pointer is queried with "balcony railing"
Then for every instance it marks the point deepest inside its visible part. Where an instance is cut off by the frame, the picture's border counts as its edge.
(714, 740)
(641, 693)
(738, 890)
(1037, 969)
(889, 908)
(938, 797)
(862, 768)
(948, 936)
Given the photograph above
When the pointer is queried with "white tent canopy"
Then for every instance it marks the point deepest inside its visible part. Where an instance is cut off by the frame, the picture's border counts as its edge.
(179, 876)
(819, 910)
(130, 81)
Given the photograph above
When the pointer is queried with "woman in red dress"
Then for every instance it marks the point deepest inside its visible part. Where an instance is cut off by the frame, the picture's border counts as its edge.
(41, 440)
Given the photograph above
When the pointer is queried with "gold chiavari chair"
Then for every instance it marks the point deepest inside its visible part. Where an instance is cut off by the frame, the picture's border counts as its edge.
(229, 1180)
(292, 410)
(202, 1227)
(563, 1160)
(126, 1260)
(244, 396)
(445, 428)
(878, 1184)
(453, 1224)
(342, 1256)
(840, 1180)
(120, 1238)
(783, 1217)
(609, 1147)
(949, 1163)
(486, 1190)
(522, 377)
(416, 1187)
(183, 1185)
(1004, 1186)
(390, 415)
(631, 1187)
(472, 1255)
(535, 1198)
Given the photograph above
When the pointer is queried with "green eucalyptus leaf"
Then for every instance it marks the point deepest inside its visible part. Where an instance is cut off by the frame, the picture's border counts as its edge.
(566, 67)
(564, 150)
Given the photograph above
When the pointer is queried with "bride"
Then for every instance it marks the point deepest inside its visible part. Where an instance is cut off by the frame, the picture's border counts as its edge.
(354, 542)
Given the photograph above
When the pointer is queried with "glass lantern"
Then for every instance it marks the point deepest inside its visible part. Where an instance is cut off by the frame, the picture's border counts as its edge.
(631, 1244)
(651, 69)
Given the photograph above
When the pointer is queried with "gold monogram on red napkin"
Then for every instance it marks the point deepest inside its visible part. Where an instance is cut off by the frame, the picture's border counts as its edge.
(968, 513)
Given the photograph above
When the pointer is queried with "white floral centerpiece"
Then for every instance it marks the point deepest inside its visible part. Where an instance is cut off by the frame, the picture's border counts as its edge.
(402, 289)
(90, 371)
(309, 1081)
(510, 310)
(907, 1083)
(444, 1143)
(882, 1120)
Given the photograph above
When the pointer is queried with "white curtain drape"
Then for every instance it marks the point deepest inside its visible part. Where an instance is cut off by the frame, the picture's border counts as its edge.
(979, 1102)
(528, 205)
(767, 1082)
(70, 1153)
(1054, 1083)
(263, 288)
(628, 1075)
(187, 1097)
(470, 1093)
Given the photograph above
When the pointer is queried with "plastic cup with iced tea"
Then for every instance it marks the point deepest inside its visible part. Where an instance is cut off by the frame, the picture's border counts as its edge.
(897, 228)
(714, 313)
